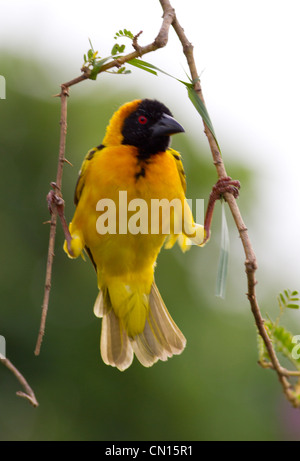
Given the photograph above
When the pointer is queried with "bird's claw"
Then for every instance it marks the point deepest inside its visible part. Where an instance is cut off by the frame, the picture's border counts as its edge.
(224, 185)
(54, 200)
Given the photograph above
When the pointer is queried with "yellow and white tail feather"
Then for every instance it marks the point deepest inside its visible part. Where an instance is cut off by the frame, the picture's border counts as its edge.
(159, 340)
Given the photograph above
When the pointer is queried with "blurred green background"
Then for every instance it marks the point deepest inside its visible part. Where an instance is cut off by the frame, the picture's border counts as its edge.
(214, 391)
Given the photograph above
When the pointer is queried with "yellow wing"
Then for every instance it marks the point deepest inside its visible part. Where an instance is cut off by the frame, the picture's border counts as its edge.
(180, 168)
(82, 173)
(77, 242)
(193, 233)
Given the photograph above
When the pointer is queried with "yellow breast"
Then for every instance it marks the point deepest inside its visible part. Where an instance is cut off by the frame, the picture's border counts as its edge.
(119, 189)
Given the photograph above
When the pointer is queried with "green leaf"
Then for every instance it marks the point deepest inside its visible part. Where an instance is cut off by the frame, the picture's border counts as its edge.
(263, 355)
(124, 33)
(147, 65)
(288, 299)
(114, 49)
(97, 67)
(128, 34)
(117, 49)
(123, 70)
(200, 107)
(142, 65)
(283, 341)
(91, 45)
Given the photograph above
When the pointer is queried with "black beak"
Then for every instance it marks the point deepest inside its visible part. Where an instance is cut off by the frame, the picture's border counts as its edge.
(166, 126)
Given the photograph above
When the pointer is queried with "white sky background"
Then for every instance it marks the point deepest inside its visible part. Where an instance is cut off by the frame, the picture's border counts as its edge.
(248, 55)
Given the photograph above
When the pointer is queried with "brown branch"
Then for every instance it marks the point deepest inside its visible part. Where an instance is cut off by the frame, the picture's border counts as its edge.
(135, 43)
(283, 371)
(28, 394)
(61, 161)
(159, 42)
(250, 262)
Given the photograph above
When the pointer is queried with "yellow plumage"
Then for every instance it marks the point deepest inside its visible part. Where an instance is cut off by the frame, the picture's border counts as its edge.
(135, 319)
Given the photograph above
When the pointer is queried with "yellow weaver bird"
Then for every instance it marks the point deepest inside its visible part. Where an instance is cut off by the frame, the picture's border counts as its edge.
(134, 157)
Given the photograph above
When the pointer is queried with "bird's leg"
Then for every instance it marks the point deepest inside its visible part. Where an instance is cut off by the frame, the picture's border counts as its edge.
(56, 202)
(222, 186)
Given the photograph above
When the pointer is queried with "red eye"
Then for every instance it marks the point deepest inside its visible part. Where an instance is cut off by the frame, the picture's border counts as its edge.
(143, 120)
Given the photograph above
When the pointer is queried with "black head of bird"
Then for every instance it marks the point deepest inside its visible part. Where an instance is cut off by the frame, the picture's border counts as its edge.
(149, 128)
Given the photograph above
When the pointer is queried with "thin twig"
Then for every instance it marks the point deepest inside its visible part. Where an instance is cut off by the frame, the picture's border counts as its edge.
(135, 44)
(283, 371)
(61, 161)
(160, 41)
(250, 262)
(28, 394)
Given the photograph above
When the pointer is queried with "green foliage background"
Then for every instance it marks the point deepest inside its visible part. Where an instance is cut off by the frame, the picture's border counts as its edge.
(213, 391)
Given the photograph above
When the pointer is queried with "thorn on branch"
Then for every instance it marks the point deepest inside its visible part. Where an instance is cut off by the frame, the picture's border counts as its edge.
(243, 229)
(118, 63)
(250, 296)
(135, 44)
(86, 72)
(251, 266)
(188, 47)
(64, 90)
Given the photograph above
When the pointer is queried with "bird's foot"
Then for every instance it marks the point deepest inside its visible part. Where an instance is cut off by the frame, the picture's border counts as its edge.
(222, 186)
(56, 202)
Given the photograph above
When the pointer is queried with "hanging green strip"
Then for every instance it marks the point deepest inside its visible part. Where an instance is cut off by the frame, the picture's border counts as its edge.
(224, 256)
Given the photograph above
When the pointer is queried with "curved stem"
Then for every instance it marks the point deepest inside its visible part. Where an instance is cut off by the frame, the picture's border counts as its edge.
(61, 161)
(28, 394)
